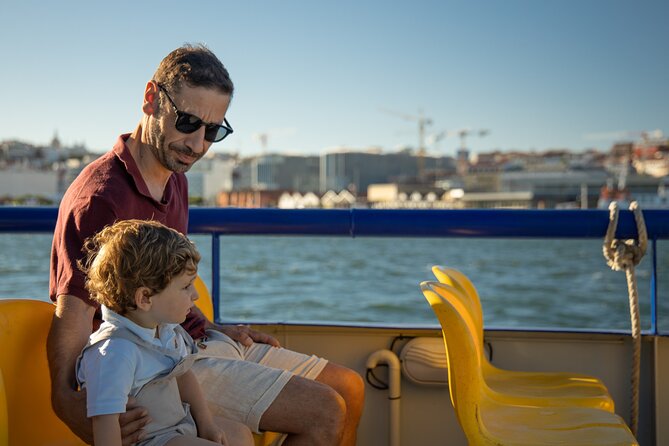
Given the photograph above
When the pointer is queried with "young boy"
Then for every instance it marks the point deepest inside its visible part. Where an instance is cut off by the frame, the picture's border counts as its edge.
(142, 274)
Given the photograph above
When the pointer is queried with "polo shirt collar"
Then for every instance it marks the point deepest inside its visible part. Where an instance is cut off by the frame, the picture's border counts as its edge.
(165, 331)
(123, 154)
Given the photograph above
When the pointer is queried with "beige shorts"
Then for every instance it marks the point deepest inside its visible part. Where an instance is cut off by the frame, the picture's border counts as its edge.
(240, 383)
(185, 428)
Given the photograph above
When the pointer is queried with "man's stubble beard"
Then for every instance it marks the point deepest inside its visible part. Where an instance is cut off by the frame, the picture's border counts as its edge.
(162, 152)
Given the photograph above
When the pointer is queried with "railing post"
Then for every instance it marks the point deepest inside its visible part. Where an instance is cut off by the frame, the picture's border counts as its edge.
(216, 274)
(653, 288)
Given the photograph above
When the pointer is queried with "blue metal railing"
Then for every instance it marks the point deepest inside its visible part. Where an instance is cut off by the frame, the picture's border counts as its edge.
(474, 223)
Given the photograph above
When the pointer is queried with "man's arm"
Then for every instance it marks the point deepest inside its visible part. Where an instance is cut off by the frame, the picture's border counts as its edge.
(70, 328)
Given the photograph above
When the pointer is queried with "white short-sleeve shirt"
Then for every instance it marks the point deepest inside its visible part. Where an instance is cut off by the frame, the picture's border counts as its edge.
(117, 368)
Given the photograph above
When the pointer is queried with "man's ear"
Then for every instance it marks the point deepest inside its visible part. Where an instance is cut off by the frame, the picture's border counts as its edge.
(150, 104)
(143, 299)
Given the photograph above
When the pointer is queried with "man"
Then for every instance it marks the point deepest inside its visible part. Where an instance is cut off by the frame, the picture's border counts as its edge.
(143, 177)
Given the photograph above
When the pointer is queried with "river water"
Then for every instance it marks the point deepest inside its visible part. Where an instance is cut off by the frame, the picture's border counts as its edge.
(522, 283)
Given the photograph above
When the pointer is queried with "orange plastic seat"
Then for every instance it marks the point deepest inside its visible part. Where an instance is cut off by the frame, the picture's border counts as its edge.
(24, 325)
(4, 434)
(488, 419)
(206, 305)
(204, 301)
(530, 388)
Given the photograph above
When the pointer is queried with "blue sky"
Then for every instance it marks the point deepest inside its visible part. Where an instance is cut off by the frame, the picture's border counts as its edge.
(314, 75)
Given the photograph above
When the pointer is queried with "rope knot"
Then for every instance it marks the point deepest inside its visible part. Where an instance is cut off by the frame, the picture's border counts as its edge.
(623, 254)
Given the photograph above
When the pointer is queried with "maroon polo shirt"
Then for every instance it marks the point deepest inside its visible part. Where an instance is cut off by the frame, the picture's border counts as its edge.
(110, 189)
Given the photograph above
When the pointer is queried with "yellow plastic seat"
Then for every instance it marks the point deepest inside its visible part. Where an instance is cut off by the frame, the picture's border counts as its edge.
(531, 388)
(488, 420)
(206, 306)
(24, 325)
(4, 434)
(204, 301)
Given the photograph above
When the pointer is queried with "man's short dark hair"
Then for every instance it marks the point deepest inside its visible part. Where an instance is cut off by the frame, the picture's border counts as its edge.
(195, 66)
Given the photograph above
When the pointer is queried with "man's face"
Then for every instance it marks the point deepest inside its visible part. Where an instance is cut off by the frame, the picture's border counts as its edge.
(178, 151)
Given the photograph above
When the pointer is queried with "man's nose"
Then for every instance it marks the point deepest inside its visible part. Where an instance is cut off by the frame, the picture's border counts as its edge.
(195, 141)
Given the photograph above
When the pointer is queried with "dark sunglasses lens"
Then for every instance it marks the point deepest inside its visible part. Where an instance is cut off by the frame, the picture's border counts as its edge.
(187, 123)
(215, 133)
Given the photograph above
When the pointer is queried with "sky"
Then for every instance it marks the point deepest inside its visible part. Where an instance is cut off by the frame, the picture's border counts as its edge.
(315, 75)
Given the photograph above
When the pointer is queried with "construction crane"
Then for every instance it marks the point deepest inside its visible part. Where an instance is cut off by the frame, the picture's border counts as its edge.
(465, 132)
(262, 138)
(462, 155)
(423, 122)
(462, 133)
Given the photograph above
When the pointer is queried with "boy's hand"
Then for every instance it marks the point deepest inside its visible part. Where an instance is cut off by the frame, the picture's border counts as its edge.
(210, 431)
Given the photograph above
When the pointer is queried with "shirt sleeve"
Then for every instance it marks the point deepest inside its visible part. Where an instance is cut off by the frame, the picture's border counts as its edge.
(81, 222)
(107, 371)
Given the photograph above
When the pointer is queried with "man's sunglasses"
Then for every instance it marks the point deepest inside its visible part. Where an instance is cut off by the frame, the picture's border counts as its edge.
(187, 123)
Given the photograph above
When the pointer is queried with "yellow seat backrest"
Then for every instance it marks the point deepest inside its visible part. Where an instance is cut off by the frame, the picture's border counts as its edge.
(4, 435)
(461, 282)
(457, 293)
(24, 325)
(204, 302)
(464, 372)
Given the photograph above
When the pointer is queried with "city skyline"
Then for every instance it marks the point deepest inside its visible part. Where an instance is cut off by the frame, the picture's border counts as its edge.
(537, 75)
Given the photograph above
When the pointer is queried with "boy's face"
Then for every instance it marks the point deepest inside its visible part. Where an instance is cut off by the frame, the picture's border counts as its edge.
(173, 304)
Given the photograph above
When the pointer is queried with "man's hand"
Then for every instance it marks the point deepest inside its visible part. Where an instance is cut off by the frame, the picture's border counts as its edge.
(132, 422)
(71, 408)
(245, 335)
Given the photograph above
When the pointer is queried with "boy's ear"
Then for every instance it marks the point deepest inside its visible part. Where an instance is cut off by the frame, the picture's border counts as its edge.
(143, 298)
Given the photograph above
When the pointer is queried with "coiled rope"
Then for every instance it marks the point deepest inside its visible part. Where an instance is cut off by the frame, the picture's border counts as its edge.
(624, 255)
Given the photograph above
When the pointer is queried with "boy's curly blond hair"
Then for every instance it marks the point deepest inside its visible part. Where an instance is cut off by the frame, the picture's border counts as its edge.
(131, 254)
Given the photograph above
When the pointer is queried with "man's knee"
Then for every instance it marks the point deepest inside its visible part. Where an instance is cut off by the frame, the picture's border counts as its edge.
(331, 413)
(348, 383)
(355, 386)
(310, 410)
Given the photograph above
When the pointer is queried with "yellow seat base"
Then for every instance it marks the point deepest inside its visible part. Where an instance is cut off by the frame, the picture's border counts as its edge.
(550, 389)
(268, 439)
(573, 426)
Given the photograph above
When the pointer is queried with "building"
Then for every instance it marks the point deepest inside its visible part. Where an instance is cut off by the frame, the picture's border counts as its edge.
(209, 176)
(30, 185)
(357, 170)
(249, 198)
(403, 196)
(275, 172)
